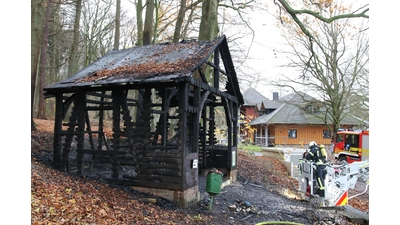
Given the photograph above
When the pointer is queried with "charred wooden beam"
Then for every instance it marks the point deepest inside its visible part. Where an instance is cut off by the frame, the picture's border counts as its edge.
(98, 108)
(67, 103)
(100, 152)
(80, 100)
(102, 95)
(59, 115)
(117, 95)
(159, 172)
(153, 155)
(69, 135)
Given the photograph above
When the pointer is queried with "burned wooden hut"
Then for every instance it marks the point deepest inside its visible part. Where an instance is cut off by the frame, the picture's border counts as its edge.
(161, 110)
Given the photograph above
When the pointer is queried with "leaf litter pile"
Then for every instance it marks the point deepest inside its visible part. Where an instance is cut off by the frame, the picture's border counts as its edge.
(63, 198)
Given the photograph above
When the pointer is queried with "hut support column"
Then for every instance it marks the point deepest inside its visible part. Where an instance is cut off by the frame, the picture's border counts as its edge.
(116, 100)
(183, 127)
(101, 122)
(80, 100)
(57, 131)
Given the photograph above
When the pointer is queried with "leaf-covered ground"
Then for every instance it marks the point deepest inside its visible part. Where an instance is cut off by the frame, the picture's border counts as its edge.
(263, 192)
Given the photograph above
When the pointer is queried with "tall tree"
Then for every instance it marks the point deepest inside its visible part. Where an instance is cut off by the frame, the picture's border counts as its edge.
(209, 20)
(179, 21)
(73, 57)
(148, 23)
(98, 24)
(36, 31)
(43, 61)
(117, 24)
(181, 28)
(326, 64)
(139, 22)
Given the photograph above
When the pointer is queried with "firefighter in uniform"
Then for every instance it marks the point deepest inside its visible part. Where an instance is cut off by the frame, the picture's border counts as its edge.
(318, 155)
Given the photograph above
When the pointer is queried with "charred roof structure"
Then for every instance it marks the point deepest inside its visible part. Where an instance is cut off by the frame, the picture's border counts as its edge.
(162, 109)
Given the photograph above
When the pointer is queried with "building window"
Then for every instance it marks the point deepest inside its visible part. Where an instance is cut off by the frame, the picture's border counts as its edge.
(312, 108)
(326, 134)
(292, 133)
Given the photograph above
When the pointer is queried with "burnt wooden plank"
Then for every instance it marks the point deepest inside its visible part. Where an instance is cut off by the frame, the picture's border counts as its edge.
(64, 132)
(161, 166)
(149, 184)
(191, 177)
(102, 95)
(161, 160)
(125, 162)
(100, 152)
(155, 147)
(98, 102)
(164, 179)
(95, 108)
(159, 154)
(159, 172)
(158, 112)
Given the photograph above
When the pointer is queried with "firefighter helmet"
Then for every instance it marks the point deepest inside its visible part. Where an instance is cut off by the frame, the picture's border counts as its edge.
(312, 143)
(322, 146)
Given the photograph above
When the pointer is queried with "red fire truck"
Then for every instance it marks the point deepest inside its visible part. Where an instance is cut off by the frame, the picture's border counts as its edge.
(351, 146)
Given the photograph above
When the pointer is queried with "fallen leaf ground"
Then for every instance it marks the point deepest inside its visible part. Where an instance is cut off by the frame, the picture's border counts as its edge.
(263, 192)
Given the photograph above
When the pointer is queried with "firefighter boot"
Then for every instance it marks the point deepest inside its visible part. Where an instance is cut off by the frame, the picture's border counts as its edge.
(321, 193)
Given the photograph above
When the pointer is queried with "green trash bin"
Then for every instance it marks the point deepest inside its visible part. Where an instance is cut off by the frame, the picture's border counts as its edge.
(214, 181)
(213, 186)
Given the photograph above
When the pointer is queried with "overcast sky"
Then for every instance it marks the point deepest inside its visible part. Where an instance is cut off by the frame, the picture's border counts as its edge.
(267, 39)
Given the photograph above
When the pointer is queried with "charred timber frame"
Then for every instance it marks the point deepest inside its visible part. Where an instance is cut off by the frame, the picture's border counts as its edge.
(192, 106)
(158, 161)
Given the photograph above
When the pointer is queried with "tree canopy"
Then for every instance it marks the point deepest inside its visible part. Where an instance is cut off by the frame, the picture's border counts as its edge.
(81, 31)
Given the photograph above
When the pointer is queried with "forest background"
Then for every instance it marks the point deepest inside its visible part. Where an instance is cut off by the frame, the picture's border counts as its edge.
(16, 110)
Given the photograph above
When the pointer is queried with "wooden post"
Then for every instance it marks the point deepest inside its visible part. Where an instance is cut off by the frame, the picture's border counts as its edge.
(183, 96)
(116, 100)
(80, 101)
(57, 131)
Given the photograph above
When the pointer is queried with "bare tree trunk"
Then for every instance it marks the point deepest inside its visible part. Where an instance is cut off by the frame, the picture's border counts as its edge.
(209, 20)
(117, 25)
(54, 54)
(208, 25)
(148, 23)
(190, 18)
(73, 57)
(155, 26)
(35, 51)
(43, 63)
(139, 22)
(179, 21)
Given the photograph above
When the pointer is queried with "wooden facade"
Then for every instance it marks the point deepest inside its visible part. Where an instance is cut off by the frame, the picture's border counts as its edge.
(163, 122)
(279, 135)
(291, 124)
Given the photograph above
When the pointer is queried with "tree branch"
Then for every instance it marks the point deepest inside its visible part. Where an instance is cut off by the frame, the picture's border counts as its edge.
(292, 12)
